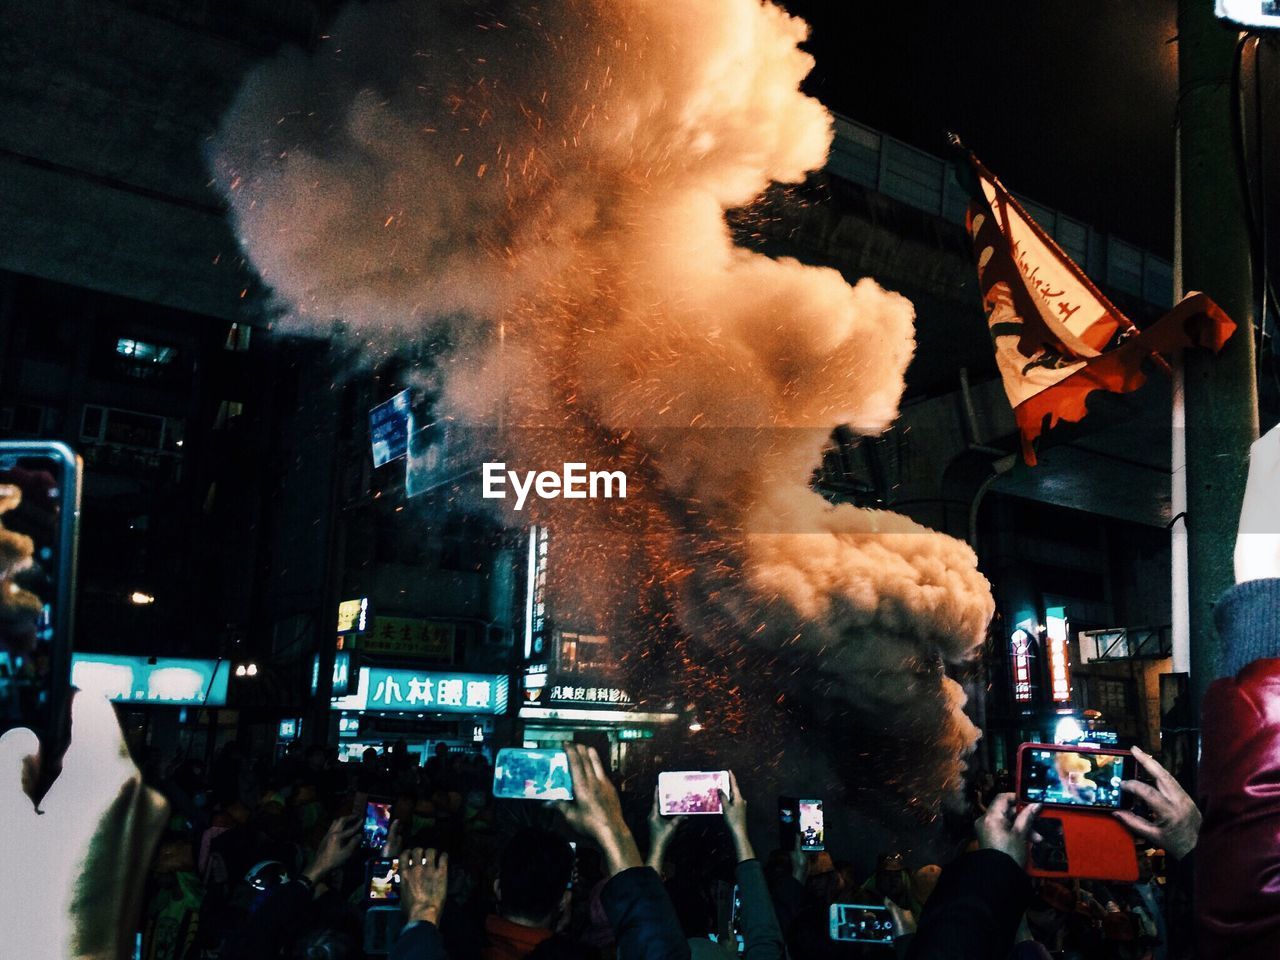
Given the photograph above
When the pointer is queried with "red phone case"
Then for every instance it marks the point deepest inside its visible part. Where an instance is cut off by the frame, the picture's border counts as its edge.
(1098, 847)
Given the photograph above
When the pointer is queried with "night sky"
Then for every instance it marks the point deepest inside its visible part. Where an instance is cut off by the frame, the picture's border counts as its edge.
(1070, 102)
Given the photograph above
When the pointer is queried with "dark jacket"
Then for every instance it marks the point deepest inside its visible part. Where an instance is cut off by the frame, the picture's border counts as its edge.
(419, 941)
(1237, 880)
(279, 918)
(643, 920)
(761, 934)
(974, 911)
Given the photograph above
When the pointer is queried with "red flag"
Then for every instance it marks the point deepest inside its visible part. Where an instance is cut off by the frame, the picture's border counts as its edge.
(1057, 337)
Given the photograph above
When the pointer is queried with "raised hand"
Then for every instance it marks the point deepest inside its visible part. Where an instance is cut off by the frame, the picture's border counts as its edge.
(424, 881)
(395, 841)
(596, 811)
(661, 832)
(1176, 820)
(1001, 829)
(339, 843)
(733, 806)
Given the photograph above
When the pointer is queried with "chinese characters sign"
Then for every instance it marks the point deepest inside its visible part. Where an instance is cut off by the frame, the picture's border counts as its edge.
(385, 689)
(600, 696)
(1020, 648)
(535, 613)
(168, 680)
(389, 429)
(1059, 669)
(408, 637)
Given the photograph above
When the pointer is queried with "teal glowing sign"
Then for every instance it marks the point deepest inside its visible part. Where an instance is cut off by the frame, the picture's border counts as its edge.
(396, 690)
(173, 681)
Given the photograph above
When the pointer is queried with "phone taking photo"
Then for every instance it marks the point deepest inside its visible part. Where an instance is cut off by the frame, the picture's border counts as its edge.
(529, 774)
(811, 826)
(383, 882)
(39, 537)
(377, 823)
(691, 792)
(1073, 776)
(860, 923)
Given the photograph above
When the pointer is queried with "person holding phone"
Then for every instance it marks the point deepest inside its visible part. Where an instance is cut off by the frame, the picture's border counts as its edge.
(1237, 851)
(761, 933)
(644, 921)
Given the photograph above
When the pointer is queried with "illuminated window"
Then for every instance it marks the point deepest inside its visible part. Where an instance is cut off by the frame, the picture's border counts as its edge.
(141, 360)
(238, 338)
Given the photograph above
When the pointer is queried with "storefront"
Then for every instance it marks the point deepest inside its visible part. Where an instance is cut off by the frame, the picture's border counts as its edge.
(558, 708)
(421, 708)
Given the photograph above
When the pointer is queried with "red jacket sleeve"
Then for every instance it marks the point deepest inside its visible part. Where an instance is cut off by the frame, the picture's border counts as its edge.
(1237, 880)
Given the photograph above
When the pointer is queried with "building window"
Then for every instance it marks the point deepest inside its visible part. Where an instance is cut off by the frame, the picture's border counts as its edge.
(127, 428)
(1111, 697)
(142, 360)
(228, 410)
(585, 653)
(237, 338)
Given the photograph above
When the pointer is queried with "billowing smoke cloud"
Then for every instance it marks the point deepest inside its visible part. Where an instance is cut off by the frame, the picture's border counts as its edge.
(544, 187)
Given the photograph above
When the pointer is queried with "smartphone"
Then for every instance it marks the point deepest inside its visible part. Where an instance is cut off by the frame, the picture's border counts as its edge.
(860, 923)
(811, 826)
(377, 823)
(383, 886)
(39, 538)
(1073, 776)
(685, 792)
(525, 774)
(735, 921)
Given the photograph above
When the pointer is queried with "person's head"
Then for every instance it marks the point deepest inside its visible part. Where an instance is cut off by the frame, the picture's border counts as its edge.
(315, 758)
(535, 878)
(442, 750)
(923, 881)
(891, 876)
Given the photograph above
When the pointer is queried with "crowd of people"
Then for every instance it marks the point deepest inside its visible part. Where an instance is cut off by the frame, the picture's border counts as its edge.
(258, 862)
(270, 861)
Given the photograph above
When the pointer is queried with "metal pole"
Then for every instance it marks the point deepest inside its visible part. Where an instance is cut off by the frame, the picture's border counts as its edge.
(1180, 600)
(1220, 391)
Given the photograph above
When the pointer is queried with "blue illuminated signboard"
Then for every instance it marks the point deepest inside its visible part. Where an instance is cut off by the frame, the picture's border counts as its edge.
(164, 680)
(341, 674)
(389, 429)
(398, 690)
(289, 729)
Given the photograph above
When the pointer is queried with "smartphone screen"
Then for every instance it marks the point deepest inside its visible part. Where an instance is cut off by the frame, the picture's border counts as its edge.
(377, 822)
(860, 923)
(1073, 778)
(525, 774)
(812, 830)
(39, 530)
(685, 792)
(384, 881)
